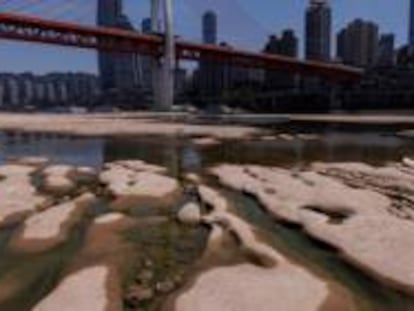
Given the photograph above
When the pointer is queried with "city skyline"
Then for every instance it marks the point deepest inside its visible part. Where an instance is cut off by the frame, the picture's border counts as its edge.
(265, 20)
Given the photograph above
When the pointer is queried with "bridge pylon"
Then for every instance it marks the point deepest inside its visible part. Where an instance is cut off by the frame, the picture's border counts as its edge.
(163, 69)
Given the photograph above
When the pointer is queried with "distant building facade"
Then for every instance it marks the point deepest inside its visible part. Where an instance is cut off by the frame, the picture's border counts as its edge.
(386, 50)
(210, 27)
(318, 25)
(127, 73)
(23, 90)
(108, 15)
(357, 43)
(286, 45)
(209, 73)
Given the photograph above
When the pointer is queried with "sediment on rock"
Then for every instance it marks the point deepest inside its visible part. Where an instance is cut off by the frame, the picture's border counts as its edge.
(263, 284)
(85, 290)
(355, 221)
(94, 277)
(138, 179)
(395, 181)
(49, 228)
(247, 287)
(63, 179)
(19, 198)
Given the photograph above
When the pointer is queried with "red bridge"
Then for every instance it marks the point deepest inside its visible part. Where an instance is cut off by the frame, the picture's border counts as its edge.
(25, 28)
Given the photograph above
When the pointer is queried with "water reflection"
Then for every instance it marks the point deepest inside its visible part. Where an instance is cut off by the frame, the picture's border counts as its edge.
(57, 148)
(181, 155)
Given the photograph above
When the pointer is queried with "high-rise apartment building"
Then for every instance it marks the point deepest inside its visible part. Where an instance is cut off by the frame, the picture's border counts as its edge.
(386, 50)
(318, 26)
(357, 43)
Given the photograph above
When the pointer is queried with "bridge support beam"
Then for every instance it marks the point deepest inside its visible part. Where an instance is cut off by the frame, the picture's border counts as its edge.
(163, 70)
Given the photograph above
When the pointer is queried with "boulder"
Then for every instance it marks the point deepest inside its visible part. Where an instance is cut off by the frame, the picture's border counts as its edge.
(189, 214)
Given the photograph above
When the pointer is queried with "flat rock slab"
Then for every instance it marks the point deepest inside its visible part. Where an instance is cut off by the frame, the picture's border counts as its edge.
(206, 141)
(19, 197)
(85, 290)
(124, 181)
(109, 219)
(247, 287)
(30, 161)
(51, 227)
(355, 221)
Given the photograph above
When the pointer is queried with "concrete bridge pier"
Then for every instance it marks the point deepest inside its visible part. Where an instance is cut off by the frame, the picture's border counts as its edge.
(163, 69)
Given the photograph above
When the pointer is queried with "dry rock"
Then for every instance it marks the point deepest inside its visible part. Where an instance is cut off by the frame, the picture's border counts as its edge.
(82, 291)
(189, 214)
(355, 221)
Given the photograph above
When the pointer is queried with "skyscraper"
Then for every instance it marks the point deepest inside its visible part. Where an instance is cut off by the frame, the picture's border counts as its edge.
(318, 31)
(109, 12)
(357, 43)
(411, 27)
(210, 27)
(208, 72)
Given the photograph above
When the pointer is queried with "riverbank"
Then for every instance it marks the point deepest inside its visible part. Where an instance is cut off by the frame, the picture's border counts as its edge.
(237, 126)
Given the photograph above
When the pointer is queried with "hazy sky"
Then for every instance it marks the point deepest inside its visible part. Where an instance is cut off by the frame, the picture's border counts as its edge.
(243, 23)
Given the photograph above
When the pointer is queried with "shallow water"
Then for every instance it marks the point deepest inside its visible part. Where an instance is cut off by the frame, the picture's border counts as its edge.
(181, 156)
(319, 258)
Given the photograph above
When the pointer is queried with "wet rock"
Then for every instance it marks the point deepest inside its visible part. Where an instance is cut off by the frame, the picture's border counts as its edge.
(144, 277)
(165, 287)
(137, 294)
(189, 214)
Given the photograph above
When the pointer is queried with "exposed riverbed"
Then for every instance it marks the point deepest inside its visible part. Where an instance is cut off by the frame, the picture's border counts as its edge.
(170, 257)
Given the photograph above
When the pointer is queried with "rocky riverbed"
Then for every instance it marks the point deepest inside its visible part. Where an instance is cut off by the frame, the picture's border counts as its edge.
(134, 235)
